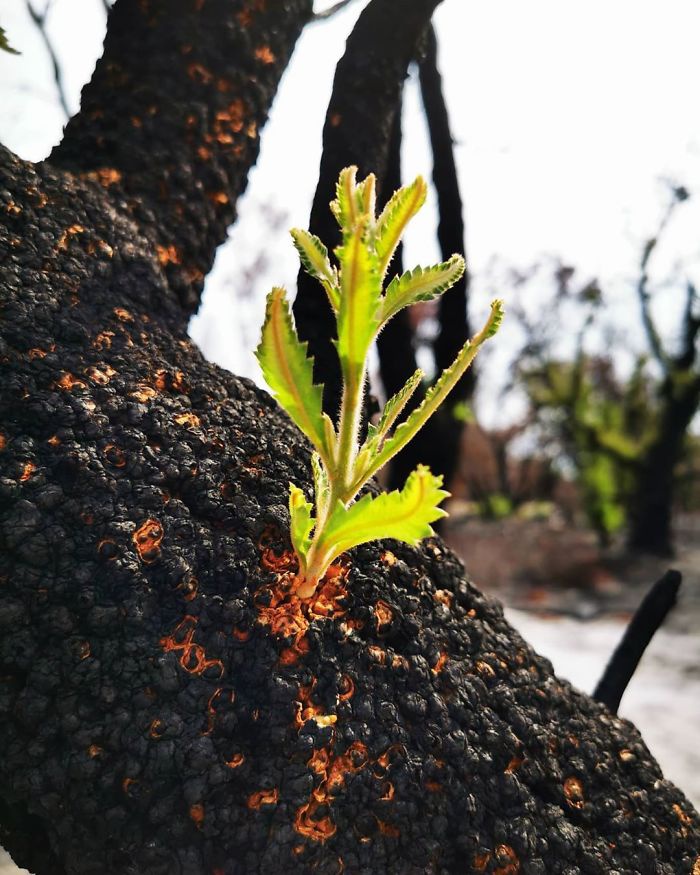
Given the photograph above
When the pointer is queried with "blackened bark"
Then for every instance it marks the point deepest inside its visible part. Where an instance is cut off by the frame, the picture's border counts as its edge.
(397, 357)
(438, 443)
(647, 619)
(651, 505)
(170, 123)
(366, 93)
(453, 319)
(166, 706)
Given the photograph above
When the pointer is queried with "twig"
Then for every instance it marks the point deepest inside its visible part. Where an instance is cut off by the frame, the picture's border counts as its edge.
(679, 195)
(327, 13)
(647, 619)
(39, 19)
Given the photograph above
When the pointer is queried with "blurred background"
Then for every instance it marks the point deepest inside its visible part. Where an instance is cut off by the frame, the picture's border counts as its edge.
(573, 453)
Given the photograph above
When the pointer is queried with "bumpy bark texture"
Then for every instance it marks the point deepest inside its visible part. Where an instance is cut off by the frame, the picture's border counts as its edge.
(165, 705)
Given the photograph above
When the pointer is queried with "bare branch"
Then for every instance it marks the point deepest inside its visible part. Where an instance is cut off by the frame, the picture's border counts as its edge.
(327, 13)
(39, 19)
(678, 196)
(649, 616)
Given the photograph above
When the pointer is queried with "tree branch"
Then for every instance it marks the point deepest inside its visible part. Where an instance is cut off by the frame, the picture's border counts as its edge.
(454, 323)
(647, 619)
(172, 117)
(365, 96)
(39, 19)
(331, 11)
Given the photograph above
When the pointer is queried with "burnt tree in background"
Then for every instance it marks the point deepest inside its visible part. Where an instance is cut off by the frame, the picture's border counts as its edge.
(165, 705)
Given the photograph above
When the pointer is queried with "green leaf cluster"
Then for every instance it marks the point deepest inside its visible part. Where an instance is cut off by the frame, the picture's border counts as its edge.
(4, 44)
(342, 464)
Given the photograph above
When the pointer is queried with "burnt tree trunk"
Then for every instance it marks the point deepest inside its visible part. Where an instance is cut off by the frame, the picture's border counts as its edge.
(166, 704)
(651, 505)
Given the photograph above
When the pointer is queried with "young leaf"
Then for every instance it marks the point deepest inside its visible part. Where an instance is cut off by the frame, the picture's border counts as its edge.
(420, 284)
(360, 296)
(301, 522)
(437, 393)
(289, 373)
(366, 196)
(395, 404)
(401, 208)
(322, 486)
(344, 207)
(4, 45)
(314, 257)
(405, 515)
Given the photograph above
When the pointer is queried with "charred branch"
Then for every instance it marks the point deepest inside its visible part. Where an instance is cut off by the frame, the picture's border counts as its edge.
(39, 19)
(648, 618)
(171, 119)
(366, 93)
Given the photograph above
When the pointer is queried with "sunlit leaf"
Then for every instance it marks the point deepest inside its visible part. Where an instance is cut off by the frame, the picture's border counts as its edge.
(405, 515)
(438, 391)
(421, 284)
(360, 295)
(301, 522)
(4, 44)
(344, 207)
(289, 372)
(314, 257)
(398, 212)
(395, 404)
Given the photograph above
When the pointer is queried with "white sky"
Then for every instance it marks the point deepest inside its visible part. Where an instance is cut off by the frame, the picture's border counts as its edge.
(566, 117)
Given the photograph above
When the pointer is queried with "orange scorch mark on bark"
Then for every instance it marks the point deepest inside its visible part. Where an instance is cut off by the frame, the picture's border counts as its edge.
(103, 340)
(167, 255)
(384, 615)
(193, 658)
(64, 239)
(68, 382)
(263, 797)
(27, 471)
(147, 539)
(440, 664)
(265, 55)
(197, 814)
(123, 315)
(332, 770)
(511, 864)
(101, 376)
(573, 791)
(190, 420)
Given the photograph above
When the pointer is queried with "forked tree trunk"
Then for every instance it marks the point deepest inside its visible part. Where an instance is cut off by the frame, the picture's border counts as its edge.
(165, 706)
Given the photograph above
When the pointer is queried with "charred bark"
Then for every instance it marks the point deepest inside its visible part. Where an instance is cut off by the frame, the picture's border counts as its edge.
(165, 705)
(651, 506)
(366, 93)
(648, 618)
(438, 443)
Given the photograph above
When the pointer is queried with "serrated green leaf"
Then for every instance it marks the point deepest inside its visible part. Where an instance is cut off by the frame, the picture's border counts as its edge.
(289, 372)
(314, 257)
(301, 522)
(400, 209)
(395, 404)
(344, 207)
(420, 284)
(360, 297)
(4, 44)
(322, 486)
(405, 515)
(437, 393)
(366, 196)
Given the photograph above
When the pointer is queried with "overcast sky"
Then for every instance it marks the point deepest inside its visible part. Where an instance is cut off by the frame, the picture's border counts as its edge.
(567, 117)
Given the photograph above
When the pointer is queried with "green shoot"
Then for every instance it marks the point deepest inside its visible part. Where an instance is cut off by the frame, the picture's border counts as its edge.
(341, 464)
